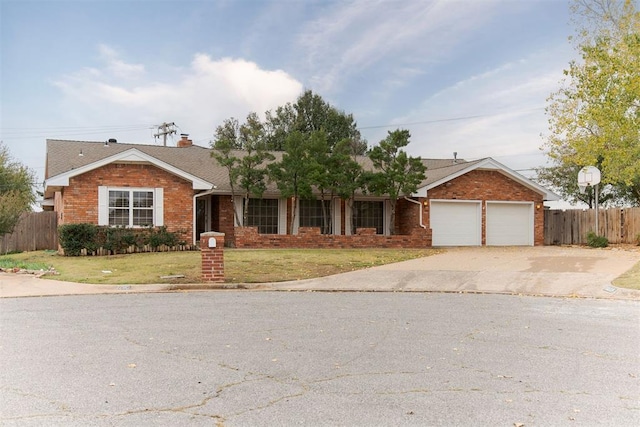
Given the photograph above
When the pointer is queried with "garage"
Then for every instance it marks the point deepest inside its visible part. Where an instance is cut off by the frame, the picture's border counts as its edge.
(456, 222)
(509, 224)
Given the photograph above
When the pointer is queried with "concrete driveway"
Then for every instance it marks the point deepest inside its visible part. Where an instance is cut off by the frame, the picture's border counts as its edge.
(549, 271)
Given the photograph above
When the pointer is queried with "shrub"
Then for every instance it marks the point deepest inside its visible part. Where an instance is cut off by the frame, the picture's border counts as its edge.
(638, 239)
(75, 237)
(596, 241)
(117, 239)
(161, 236)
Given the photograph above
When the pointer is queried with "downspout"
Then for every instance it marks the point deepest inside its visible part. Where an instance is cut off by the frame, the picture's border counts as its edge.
(420, 211)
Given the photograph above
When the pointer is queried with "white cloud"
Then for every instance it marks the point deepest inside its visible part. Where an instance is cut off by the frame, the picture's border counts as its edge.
(356, 36)
(118, 67)
(198, 98)
(504, 110)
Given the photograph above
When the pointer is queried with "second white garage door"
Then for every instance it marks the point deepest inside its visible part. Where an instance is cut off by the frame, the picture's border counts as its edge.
(456, 223)
(509, 224)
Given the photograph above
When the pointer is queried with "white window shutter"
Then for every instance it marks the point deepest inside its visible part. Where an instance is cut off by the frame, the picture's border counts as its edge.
(386, 212)
(238, 206)
(282, 216)
(103, 205)
(337, 216)
(348, 217)
(159, 207)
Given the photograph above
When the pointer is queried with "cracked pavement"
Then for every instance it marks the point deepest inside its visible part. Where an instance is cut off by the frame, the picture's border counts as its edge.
(264, 358)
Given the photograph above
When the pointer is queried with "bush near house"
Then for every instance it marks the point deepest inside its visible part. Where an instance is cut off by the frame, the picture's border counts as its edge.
(90, 239)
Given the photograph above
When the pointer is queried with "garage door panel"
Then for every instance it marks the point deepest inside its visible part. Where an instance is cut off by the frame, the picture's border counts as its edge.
(456, 223)
(509, 224)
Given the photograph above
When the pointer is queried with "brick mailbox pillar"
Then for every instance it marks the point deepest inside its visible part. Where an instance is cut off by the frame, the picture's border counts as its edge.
(212, 246)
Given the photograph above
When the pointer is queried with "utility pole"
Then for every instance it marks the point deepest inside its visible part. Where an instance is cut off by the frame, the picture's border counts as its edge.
(165, 129)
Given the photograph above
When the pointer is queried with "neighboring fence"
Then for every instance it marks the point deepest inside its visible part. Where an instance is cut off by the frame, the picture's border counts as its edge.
(35, 231)
(570, 227)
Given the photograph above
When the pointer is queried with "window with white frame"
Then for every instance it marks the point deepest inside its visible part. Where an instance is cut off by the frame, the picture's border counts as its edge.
(130, 207)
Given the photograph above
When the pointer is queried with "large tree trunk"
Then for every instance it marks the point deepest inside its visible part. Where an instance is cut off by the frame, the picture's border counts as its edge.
(245, 210)
(294, 208)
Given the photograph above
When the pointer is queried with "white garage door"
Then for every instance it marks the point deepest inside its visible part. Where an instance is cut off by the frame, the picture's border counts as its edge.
(456, 223)
(509, 224)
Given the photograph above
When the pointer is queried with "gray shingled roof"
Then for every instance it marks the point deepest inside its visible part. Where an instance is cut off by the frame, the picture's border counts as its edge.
(438, 169)
(64, 156)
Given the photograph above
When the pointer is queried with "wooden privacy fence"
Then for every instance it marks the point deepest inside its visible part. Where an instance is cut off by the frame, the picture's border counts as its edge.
(35, 231)
(570, 227)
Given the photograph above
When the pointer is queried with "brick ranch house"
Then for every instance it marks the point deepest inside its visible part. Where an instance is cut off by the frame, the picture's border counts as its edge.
(459, 203)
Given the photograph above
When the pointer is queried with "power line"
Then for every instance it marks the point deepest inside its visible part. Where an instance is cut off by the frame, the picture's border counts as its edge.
(450, 119)
(74, 127)
(167, 129)
(60, 132)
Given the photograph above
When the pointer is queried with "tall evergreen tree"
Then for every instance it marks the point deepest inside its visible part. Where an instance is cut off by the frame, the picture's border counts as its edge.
(397, 174)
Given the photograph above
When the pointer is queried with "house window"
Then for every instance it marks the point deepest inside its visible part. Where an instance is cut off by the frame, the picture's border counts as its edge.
(312, 214)
(368, 214)
(263, 213)
(131, 208)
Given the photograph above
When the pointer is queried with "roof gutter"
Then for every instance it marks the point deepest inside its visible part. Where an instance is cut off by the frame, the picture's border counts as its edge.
(419, 211)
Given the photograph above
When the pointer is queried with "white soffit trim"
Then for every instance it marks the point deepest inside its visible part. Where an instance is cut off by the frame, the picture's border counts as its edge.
(491, 164)
(131, 155)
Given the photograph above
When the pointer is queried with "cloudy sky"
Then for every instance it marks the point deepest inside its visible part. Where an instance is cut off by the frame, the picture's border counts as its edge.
(470, 76)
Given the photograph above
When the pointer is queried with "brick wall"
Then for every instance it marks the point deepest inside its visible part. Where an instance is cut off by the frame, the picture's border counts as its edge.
(311, 238)
(80, 199)
(490, 185)
(212, 257)
(475, 185)
(222, 208)
(407, 216)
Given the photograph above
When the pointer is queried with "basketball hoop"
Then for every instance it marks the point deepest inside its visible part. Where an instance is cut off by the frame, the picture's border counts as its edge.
(587, 177)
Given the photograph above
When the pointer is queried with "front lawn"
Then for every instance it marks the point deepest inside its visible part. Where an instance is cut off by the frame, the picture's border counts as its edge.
(241, 265)
(630, 279)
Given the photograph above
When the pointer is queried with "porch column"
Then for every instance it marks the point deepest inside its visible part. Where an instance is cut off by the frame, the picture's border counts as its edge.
(212, 247)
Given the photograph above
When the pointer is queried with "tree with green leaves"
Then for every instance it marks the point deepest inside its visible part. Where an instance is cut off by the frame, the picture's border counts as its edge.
(564, 176)
(595, 118)
(16, 190)
(311, 113)
(224, 149)
(247, 168)
(294, 173)
(335, 172)
(396, 172)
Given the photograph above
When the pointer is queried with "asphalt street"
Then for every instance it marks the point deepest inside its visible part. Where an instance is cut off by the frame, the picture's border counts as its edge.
(231, 358)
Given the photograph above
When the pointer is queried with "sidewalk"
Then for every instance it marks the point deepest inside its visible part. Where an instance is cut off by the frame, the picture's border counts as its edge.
(544, 271)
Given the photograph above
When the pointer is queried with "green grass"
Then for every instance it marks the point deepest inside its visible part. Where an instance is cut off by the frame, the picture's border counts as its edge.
(241, 265)
(630, 279)
(6, 262)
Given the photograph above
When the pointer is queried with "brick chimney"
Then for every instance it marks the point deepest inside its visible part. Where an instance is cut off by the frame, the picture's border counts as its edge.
(184, 140)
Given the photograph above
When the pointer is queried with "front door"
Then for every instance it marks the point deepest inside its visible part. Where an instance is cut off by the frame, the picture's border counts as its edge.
(203, 215)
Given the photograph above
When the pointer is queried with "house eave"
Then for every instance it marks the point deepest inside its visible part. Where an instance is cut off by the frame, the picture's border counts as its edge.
(490, 164)
(131, 156)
